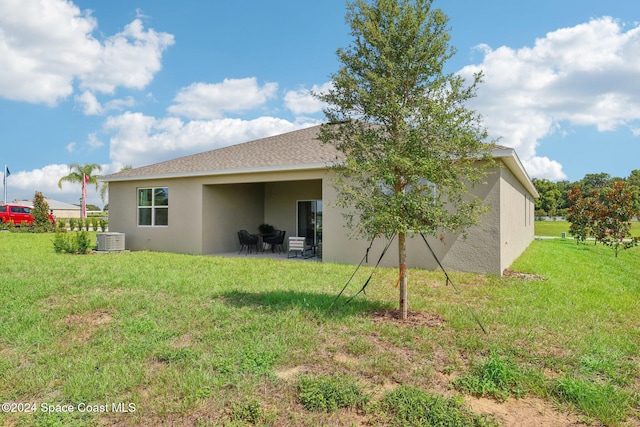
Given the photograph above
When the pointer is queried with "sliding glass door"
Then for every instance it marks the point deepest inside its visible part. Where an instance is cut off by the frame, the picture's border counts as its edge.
(310, 221)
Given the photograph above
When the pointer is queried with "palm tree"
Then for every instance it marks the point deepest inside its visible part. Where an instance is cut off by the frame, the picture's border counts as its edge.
(78, 172)
(104, 188)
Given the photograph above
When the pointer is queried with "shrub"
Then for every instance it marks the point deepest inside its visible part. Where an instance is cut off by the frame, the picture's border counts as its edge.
(103, 225)
(9, 225)
(72, 242)
(83, 241)
(325, 393)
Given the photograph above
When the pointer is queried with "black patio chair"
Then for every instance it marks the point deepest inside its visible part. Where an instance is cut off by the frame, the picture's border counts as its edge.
(276, 241)
(247, 240)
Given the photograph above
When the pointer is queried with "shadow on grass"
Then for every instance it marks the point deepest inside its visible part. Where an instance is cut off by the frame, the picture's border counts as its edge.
(325, 305)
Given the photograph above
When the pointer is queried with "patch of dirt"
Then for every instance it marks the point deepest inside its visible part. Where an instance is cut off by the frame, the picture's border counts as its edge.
(522, 276)
(414, 318)
(182, 341)
(290, 373)
(527, 412)
(86, 324)
(345, 359)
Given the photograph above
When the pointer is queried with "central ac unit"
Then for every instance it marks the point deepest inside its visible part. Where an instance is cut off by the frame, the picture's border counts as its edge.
(110, 242)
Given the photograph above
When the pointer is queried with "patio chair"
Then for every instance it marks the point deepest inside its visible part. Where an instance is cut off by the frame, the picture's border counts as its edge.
(247, 240)
(276, 241)
(297, 244)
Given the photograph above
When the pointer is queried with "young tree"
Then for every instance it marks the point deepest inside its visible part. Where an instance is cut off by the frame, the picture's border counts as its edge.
(619, 211)
(579, 215)
(40, 212)
(411, 145)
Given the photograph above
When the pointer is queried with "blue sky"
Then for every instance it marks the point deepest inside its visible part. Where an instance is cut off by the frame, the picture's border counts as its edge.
(135, 82)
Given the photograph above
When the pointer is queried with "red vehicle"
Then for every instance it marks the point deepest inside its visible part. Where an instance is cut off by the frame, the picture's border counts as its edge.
(18, 215)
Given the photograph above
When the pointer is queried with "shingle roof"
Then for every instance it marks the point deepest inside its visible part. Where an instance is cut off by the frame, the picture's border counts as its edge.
(299, 149)
(292, 149)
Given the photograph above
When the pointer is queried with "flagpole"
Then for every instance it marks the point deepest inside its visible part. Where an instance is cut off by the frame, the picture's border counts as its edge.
(5, 184)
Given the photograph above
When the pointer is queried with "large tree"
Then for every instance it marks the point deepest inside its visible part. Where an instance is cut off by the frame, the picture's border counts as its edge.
(411, 145)
(550, 195)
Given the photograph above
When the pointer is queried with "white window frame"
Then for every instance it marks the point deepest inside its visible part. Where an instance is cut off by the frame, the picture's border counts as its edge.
(153, 208)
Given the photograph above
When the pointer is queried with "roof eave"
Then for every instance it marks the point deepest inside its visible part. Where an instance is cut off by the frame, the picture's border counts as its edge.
(512, 161)
(219, 172)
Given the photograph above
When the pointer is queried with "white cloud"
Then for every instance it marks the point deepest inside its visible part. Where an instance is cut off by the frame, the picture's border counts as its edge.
(585, 75)
(92, 107)
(212, 100)
(303, 102)
(129, 59)
(93, 142)
(71, 147)
(544, 167)
(43, 46)
(140, 140)
(22, 185)
(46, 45)
(89, 103)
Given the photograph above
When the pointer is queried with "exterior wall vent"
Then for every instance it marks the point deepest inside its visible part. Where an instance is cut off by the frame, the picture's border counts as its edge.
(108, 242)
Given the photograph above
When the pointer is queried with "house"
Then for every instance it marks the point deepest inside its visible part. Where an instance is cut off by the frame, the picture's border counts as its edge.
(57, 208)
(196, 204)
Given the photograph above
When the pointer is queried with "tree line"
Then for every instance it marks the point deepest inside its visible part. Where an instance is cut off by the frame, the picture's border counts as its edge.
(555, 197)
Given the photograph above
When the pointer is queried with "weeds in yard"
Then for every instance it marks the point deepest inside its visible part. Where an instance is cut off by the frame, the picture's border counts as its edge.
(327, 393)
(605, 402)
(250, 411)
(497, 377)
(410, 406)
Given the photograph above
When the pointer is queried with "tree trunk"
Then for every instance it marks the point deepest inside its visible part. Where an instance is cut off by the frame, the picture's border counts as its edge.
(402, 251)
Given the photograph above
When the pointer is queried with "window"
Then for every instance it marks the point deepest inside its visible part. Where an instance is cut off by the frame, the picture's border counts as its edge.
(153, 207)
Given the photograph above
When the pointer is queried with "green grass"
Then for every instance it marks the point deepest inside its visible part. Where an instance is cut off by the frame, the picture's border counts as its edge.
(556, 228)
(220, 341)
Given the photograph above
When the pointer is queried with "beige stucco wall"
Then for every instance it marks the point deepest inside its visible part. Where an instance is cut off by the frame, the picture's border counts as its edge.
(516, 221)
(184, 232)
(228, 208)
(205, 214)
(281, 202)
(66, 213)
(480, 252)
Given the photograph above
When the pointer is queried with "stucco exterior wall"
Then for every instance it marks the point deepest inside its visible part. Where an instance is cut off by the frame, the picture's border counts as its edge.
(281, 202)
(205, 213)
(228, 208)
(480, 252)
(183, 234)
(517, 219)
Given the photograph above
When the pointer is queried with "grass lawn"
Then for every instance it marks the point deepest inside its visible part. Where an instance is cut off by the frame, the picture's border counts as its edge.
(556, 228)
(146, 338)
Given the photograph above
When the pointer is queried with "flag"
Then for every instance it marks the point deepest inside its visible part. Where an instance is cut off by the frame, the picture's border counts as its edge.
(84, 196)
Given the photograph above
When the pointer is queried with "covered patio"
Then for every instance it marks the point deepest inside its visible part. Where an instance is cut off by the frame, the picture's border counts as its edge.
(294, 206)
